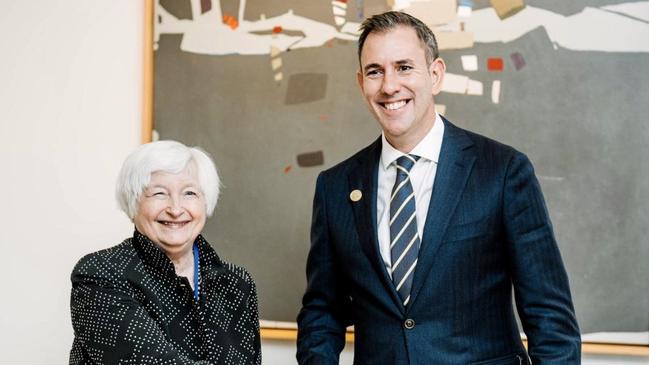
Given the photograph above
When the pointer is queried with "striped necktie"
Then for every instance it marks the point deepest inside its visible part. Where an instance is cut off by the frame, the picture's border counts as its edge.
(404, 238)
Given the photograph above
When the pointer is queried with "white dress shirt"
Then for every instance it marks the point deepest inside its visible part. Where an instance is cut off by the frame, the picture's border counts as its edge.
(422, 177)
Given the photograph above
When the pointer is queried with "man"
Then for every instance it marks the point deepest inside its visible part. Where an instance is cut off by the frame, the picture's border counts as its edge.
(418, 239)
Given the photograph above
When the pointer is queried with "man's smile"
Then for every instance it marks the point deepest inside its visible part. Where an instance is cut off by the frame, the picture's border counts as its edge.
(394, 105)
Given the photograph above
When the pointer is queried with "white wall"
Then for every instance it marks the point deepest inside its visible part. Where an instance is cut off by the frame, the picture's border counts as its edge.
(70, 111)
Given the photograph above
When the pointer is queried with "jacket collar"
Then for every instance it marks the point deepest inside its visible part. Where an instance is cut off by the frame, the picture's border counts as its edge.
(363, 176)
(152, 255)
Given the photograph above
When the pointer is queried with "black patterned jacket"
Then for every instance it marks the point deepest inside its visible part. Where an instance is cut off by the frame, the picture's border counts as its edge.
(129, 307)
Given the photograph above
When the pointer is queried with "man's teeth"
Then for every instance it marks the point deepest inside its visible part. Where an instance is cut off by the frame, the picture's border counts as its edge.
(395, 105)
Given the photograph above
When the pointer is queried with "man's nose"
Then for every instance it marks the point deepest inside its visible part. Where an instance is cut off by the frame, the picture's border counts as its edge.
(390, 84)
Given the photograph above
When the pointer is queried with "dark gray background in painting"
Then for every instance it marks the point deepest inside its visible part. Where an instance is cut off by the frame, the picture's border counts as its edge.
(580, 117)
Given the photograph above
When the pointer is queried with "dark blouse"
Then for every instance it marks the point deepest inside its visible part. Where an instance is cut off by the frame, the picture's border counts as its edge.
(129, 307)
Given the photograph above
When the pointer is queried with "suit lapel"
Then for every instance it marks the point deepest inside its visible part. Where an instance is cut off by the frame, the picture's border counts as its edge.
(364, 178)
(456, 160)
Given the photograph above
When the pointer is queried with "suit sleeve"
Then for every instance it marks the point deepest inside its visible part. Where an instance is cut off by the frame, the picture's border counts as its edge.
(540, 281)
(112, 326)
(322, 321)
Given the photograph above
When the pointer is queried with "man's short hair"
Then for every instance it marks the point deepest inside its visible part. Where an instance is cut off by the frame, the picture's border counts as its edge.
(384, 22)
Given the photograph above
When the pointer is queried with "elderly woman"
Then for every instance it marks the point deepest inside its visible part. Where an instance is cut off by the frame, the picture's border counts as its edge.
(163, 296)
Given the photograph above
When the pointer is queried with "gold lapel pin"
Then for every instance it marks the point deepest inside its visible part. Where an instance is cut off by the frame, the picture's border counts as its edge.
(355, 195)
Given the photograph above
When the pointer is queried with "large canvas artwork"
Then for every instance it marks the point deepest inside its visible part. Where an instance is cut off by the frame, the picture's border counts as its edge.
(268, 88)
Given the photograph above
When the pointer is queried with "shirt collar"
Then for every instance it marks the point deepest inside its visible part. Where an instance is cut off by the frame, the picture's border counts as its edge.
(427, 148)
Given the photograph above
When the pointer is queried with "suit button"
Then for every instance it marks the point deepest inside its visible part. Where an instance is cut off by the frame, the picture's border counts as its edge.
(409, 324)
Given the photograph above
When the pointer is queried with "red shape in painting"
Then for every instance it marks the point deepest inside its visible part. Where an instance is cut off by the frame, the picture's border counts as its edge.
(277, 29)
(230, 21)
(287, 169)
(495, 64)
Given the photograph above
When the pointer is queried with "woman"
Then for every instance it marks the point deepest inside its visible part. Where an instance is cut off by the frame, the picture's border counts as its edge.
(163, 296)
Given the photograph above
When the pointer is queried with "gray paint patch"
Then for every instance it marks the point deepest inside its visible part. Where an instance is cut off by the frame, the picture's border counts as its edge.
(309, 159)
(306, 87)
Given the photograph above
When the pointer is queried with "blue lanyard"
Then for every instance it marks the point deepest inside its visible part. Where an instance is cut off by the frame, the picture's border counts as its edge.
(197, 271)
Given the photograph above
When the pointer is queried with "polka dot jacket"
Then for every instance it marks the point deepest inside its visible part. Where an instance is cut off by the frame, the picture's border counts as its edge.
(129, 307)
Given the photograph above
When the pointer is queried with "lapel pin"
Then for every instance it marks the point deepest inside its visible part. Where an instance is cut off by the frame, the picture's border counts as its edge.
(355, 195)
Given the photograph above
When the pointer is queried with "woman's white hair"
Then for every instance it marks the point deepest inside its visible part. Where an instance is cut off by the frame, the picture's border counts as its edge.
(167, 156)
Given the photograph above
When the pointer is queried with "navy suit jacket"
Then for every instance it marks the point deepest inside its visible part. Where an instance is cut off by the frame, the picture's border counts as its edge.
(487, 231)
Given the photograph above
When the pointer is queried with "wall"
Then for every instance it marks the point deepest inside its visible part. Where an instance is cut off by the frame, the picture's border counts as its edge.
(70, 108)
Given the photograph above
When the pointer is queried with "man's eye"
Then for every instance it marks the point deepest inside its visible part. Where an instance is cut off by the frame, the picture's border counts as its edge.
(191, 193)
(373, 73)
(404, 68)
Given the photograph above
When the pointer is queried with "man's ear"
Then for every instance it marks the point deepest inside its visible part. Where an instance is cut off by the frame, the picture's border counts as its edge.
(437, 70)
(359, 79)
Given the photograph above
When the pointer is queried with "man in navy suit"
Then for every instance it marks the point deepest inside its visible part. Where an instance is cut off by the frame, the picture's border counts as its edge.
(419, 239)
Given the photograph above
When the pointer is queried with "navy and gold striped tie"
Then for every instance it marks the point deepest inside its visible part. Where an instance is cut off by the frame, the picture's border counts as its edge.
(404, 238)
